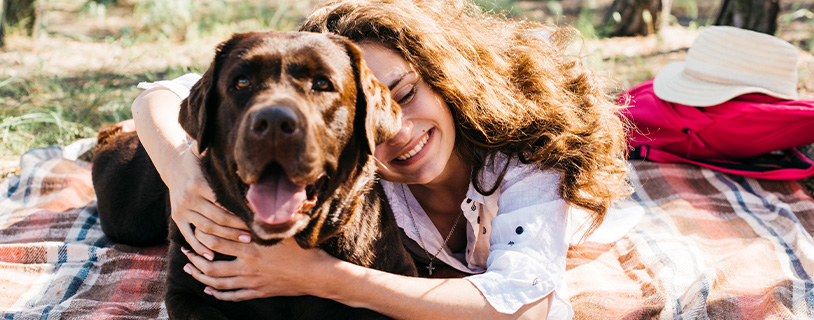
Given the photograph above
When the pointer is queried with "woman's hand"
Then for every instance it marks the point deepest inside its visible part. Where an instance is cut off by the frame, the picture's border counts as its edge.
(258, 271)
(193, 203)
(285, 269)
(155, 112)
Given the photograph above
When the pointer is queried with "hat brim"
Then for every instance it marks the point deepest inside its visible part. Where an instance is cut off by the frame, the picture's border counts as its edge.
(673, 85)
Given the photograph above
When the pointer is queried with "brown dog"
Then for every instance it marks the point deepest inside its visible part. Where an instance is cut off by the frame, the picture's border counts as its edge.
(286, 123)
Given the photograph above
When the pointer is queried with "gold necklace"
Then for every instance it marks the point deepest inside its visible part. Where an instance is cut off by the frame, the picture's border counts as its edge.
(430, 257)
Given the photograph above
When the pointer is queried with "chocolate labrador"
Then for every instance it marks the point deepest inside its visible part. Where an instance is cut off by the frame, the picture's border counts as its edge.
(286, 123)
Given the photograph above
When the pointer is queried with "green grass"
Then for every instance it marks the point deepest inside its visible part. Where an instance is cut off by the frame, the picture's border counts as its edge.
(42, 110)
(190, 19)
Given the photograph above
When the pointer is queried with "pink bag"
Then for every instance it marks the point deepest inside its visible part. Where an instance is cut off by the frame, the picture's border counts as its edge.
(726, 137)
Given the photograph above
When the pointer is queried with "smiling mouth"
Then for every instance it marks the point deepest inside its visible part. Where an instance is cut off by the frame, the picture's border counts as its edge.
(409, 154)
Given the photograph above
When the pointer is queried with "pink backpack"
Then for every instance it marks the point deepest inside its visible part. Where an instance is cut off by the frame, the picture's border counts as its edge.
(741, 136)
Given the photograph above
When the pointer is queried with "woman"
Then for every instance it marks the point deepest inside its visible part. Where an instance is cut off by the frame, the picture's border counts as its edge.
(502, 134)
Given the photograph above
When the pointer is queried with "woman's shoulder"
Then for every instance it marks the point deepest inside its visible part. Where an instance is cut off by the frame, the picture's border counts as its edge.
(523, 189)
(522, 184)
(516, 171)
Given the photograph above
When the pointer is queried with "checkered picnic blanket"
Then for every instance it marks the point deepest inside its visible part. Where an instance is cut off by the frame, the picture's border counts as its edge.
(710, 245)
(55, 262)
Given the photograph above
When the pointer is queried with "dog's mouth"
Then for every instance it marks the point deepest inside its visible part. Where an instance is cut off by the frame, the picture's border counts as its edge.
(278, 201)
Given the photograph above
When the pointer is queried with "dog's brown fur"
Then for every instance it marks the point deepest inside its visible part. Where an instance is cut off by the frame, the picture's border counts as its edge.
(327, 143)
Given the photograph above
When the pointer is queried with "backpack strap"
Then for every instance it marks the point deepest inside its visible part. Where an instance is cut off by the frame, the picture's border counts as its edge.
(793, 165)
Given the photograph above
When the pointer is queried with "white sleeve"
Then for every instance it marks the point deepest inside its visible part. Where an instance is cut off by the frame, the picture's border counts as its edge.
(180, 86)
(528, 241)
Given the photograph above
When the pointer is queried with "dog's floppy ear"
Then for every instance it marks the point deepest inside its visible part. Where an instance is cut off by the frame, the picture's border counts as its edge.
(198, 110)
(376, 112)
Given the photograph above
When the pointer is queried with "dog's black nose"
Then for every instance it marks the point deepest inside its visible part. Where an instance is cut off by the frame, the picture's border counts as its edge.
(280, 122)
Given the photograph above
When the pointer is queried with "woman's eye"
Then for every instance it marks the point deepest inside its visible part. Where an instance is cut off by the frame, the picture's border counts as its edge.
(407, 97)
(322, 84)
(242, 83)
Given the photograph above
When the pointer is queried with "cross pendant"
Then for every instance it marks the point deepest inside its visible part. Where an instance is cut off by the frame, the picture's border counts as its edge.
(430, 268)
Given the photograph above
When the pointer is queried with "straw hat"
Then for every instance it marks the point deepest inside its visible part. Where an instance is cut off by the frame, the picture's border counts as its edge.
(725, 62)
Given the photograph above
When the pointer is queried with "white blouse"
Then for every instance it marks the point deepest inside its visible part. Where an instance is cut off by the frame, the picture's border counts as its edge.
(517, 238)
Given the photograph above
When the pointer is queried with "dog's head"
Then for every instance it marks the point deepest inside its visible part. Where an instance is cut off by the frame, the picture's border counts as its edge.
(287, 123)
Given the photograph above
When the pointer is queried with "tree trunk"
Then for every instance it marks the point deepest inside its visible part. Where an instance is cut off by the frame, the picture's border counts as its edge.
(20, 12)
(3, 22)
(755, 15)
(637, 17)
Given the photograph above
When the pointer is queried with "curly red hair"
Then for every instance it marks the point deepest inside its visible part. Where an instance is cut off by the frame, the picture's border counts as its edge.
(510, 86)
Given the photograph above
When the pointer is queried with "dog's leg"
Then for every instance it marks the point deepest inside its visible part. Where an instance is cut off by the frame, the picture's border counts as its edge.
(132, 200)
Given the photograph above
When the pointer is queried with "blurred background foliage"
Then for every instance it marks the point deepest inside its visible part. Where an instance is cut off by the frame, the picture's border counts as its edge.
(68, 67)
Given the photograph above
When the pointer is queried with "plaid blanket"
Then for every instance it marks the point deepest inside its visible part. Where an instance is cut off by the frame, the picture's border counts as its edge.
(710, 245)
(55, 262)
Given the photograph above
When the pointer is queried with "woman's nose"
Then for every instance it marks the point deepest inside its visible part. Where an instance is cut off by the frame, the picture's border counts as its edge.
(403, 135)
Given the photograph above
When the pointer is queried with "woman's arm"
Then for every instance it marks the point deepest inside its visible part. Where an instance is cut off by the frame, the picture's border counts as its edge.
(416, 298)
(155, 112)
(286, 269)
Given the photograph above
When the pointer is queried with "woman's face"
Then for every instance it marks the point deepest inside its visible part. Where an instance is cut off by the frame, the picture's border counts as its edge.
(420, 152)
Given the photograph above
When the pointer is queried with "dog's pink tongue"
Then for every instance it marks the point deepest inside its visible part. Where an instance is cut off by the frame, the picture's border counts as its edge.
(275, 199)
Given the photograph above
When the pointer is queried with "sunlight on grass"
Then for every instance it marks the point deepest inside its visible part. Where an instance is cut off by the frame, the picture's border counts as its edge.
(44, 110)
(185, 19)
(39, 108)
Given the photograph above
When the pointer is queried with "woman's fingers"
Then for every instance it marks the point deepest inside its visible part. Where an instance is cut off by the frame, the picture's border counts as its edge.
(193, 202)
(221, 245)
(284, 269)
(212, 219)
(219, 283)
(216, 213)
(207, 227)
(214, 269)
(235, 295)
(189, 234)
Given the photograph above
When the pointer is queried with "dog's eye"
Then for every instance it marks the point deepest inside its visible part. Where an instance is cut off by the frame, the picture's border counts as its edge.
(242, 83)
(322, 84)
